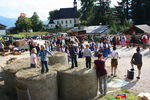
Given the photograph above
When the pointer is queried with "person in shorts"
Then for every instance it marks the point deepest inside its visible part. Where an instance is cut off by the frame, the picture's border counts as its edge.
(137, 60)
(114, 61)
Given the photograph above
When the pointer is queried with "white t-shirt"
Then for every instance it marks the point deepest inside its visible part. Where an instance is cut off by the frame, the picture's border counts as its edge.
(114, 55)
(33, 56)
(101, 45)
(144, 36)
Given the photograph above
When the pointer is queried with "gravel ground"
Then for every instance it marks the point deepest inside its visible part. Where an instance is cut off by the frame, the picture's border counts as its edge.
(137, 86)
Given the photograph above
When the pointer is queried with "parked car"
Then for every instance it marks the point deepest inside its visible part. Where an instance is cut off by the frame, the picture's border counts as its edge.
(36, 37)
(16, 38)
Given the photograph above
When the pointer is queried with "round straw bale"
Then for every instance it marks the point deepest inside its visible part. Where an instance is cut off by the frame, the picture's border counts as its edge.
(32, 85)
(58, 67)
(77, 84)
(10, 70)
(20, 43)
(58, 57)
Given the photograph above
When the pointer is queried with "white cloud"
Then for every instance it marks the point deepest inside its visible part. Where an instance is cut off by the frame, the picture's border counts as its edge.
(13, 8)
(114, 2)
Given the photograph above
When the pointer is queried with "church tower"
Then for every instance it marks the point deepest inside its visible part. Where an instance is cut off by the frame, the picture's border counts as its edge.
(75, 4)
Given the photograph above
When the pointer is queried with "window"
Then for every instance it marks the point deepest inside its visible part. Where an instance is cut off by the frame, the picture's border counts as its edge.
(70, 21)
(57, 22)
(66, 22)
(62, 22)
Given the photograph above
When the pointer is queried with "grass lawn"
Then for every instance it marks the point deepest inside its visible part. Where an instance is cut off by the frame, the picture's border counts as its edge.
(24, 34)
(111, 96)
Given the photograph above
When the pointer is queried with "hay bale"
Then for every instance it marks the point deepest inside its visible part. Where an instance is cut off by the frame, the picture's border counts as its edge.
(10, 70)
(32, 85)
(58, 57)
(77, 84)
(20, 43)
(11, 60)
(59, 67)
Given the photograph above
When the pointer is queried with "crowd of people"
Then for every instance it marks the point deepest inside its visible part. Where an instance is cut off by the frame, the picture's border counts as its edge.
(102, 49)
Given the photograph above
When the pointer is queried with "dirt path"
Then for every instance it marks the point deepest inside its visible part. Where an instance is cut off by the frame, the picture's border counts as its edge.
(135, 85)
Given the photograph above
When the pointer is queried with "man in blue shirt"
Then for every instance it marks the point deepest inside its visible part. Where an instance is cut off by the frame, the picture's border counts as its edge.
(73, 54)
(44, 58)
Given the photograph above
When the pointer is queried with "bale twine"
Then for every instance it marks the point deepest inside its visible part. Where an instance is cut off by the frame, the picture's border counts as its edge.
(32, 85)
(58, 57)
(10, 70)
(77, 84)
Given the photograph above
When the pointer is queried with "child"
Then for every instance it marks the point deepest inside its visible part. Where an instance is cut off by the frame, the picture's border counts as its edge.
(87, 54)
(96, 49)
(92, 45)
(114, 61)
(33, 58)
(73, 54)
(105, 50)
(44, 58)
(80, 52)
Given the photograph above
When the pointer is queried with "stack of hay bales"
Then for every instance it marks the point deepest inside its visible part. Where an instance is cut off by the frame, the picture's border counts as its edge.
(32, 85)
(10, 70)
(77, 84)
(58, 57)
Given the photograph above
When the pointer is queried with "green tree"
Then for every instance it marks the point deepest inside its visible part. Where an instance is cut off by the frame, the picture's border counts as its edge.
(95, 12)
(86, 9)
(52, 14)
(23, 24)
(117, 28)
(102, 9)
(140, 11)
(124, 10)
(112, 16)
(37, 24)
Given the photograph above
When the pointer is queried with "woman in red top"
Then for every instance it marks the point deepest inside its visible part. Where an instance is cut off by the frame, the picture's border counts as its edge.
(99, 65)
(144, 40)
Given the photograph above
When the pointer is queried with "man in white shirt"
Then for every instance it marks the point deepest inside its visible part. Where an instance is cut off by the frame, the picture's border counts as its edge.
(114, 61)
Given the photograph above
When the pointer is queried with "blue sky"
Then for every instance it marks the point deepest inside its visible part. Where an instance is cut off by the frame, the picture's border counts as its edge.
(13, 8)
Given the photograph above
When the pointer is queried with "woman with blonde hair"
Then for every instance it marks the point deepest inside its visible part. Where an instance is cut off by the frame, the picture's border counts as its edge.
(33, 58)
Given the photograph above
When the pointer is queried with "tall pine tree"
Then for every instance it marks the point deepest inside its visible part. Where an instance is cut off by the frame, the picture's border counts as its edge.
(140, 11)
(94, 11)
(124, 10)
(36, 22)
